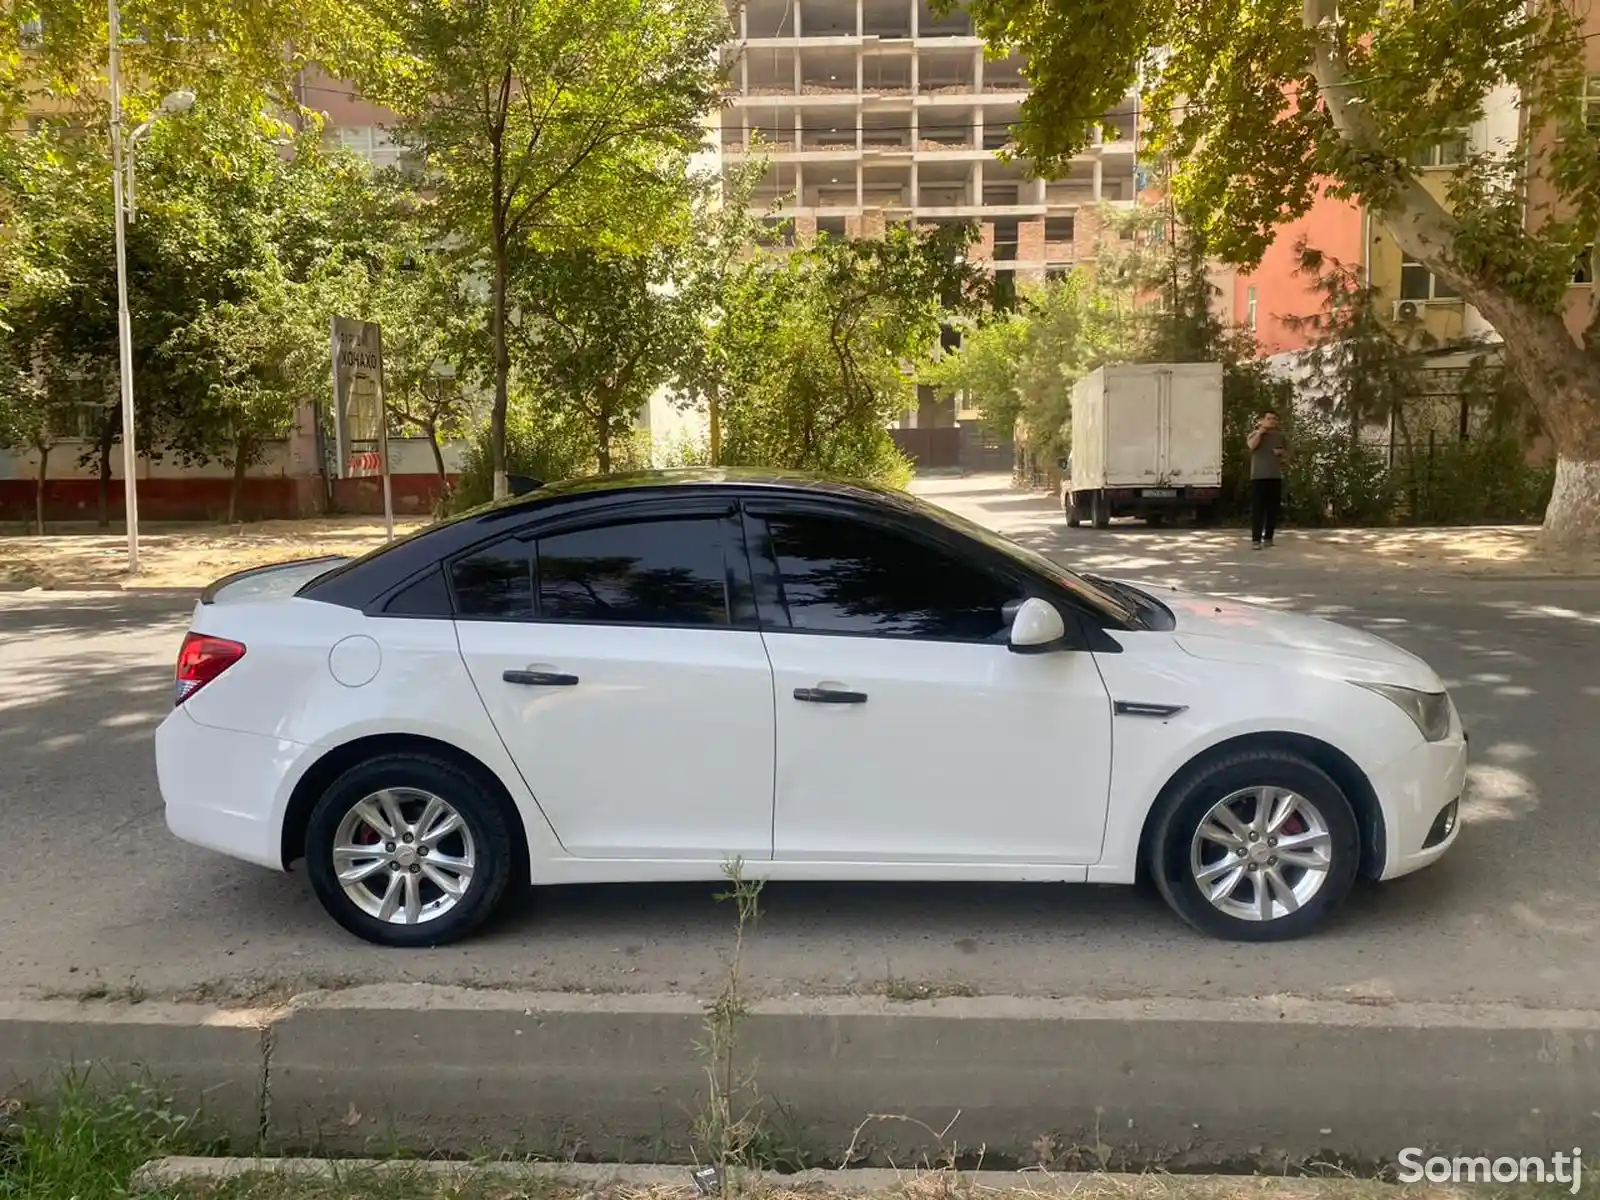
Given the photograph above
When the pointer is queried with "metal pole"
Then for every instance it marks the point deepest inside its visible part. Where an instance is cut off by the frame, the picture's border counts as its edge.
(130, 487)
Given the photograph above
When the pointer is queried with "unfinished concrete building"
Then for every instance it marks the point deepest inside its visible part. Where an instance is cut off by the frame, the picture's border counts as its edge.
(873, 111)
(876, 110)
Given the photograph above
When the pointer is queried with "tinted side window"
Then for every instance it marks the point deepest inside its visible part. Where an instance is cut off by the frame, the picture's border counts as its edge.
(495, 582)
(667, 572)
(426, 597)
(841, 576)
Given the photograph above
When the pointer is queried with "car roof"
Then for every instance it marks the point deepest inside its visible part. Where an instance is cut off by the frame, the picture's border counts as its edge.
(358, 582)
(669, 477)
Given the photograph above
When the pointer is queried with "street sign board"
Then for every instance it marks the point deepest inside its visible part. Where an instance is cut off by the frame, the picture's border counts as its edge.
(361, 427)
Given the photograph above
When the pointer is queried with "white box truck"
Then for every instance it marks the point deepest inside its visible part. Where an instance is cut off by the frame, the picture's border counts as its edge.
(1146, 442)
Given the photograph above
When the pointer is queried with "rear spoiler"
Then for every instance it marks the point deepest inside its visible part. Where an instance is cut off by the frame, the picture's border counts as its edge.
(209, 596)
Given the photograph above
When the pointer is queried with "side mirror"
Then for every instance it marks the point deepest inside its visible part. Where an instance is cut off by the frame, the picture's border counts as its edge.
(1037, 628)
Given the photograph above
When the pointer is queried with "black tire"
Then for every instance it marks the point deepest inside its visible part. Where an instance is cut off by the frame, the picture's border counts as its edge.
(1100, 510)
(494, 848)
(1189, 800)
(1074, 512)
(1155, 520)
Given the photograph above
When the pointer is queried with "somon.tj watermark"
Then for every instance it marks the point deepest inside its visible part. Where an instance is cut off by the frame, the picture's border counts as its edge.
(1559, 1167)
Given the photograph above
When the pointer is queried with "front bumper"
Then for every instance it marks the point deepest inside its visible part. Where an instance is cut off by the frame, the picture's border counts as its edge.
(1414, 790)
(224, 790)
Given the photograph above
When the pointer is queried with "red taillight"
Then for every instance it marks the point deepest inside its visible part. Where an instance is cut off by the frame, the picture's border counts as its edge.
(201, 660)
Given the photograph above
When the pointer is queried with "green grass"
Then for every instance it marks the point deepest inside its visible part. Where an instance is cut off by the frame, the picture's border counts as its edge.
(87, 1146)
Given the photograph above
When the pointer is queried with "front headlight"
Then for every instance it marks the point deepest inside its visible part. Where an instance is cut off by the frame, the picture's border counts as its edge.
(1429, 711)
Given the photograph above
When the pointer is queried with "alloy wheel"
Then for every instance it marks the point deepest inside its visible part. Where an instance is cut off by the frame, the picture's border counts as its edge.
(404, 856)
(1262, 853)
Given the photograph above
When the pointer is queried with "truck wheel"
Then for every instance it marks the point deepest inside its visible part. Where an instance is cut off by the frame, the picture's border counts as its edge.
(1100, 510)
(1074, 512)
(1155, 520)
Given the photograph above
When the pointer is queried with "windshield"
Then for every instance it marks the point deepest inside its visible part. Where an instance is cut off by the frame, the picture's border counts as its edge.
(1092, 594)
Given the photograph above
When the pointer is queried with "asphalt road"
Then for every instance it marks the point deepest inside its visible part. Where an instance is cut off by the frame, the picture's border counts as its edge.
(99, 900)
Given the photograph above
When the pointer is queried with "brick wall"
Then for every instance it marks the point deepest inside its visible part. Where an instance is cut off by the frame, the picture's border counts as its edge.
(206, 499)
(1030, 241)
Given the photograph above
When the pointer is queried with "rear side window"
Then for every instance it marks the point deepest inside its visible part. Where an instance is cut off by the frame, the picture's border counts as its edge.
(666, 572)
(495, 583)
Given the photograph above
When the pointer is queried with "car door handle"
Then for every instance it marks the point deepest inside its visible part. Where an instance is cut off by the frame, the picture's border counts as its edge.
(540, 678)
(819, 695)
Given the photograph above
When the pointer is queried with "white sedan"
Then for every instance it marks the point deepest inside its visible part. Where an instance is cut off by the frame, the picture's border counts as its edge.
(641, 678)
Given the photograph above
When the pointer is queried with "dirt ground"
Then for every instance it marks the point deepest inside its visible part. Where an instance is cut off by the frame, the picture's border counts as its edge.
(1487, 550)
(183, 555)
(465, 1182)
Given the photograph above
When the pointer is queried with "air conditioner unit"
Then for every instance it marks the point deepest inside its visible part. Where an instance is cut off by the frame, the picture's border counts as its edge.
(1407, 310)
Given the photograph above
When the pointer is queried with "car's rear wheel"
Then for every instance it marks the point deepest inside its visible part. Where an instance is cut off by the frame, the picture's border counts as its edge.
(406, 850)
(1258, 847)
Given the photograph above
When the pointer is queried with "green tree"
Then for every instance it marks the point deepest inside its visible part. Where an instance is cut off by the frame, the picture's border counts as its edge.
(1262, 105)
(1020, 367)
(247, 252)
(1359, 367)
(544, 124)
(602, 332)
(817, 348)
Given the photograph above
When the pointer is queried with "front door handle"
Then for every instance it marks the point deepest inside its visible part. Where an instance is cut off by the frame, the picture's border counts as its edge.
(818, 695)
(540, 678)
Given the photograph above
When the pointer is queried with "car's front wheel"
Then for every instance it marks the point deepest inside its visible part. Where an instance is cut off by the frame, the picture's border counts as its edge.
(1258, 847)
(407, 850)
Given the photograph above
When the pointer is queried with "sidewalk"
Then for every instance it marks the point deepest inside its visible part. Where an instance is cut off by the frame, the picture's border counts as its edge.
(178, 556)
(1035, 518)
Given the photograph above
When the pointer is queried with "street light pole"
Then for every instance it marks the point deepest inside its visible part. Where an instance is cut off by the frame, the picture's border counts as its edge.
(130, 487)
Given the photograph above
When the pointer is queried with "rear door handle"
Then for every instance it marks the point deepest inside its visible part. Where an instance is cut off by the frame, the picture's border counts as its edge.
(819, 695)
(540, 678)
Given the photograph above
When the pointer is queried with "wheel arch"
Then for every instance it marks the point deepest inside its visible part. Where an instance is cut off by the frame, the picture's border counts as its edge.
(1332, 761)
(341, 758)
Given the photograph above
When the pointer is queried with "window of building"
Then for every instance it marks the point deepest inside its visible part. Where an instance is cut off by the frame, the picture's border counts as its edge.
(373, 144)
(1419, 283)
(1448, 151)
(32, 34)
(1250, 308)
(1591, 104)
(1060, 229)
(1583, 266)
(843, 576)
(832, 226)
(667, 572)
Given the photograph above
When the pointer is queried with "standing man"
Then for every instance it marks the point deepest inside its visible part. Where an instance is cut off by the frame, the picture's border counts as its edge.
(1268, 449)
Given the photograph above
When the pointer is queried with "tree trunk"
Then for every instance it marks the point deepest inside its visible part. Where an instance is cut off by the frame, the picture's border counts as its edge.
(1562, 378)
(104, 482)
(241, 462)
(497, 332)
(108, 433)
(714, 428)
(602, 430)
(38, 489)
(431, 432)
(1564, 383)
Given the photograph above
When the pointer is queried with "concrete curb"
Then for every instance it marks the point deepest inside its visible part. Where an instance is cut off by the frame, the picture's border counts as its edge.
(171, 1172)
(481, 1073)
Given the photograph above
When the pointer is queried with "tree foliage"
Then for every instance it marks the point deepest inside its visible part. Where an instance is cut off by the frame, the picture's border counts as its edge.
(1264, 105)
(814, 351)
(544, 125)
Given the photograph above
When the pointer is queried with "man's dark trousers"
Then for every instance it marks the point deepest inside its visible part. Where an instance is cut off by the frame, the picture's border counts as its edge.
(1266, 498)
